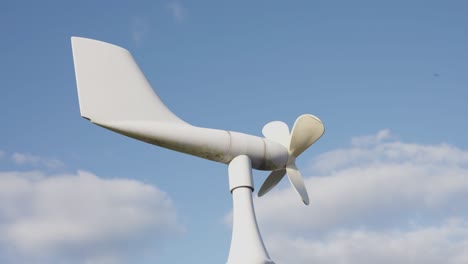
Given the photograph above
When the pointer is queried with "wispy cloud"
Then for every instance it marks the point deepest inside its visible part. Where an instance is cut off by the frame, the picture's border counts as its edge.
(29, 159)
(379, 200)
(368, 140)
(2, 154)
(80, 218)
(177, 11)
(140, 27)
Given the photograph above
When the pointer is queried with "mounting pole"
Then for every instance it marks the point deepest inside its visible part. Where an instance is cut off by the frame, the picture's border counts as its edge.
(246, 245)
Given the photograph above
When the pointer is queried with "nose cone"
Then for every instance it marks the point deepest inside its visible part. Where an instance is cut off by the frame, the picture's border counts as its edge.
(276, 155)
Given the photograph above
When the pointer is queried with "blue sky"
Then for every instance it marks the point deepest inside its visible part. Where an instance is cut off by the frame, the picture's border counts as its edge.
(387, 181)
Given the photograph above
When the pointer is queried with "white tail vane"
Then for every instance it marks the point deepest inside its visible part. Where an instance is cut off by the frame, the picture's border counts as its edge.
(307, 129)
(111, 86)
(113, 93)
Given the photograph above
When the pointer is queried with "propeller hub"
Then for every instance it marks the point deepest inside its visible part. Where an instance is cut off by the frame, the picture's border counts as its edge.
(306, 131)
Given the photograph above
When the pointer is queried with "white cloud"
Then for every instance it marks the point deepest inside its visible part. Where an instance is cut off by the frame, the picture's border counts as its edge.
(2, 154)
(378, 201)
(445, 243)
(373, 150)
(177, 11)
(29, 159)
(81, 217)
(368, 140)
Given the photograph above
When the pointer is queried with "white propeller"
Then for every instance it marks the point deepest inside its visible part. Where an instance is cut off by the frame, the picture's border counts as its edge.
(307, 129)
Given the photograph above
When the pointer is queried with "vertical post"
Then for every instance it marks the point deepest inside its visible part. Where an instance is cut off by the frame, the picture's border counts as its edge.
(246, 245)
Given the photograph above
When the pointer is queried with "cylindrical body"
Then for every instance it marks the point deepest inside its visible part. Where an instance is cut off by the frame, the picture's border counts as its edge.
(212, 144)
(246, 245)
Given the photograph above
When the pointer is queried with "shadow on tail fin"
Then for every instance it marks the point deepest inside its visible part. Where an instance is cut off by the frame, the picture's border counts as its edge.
(111, 86)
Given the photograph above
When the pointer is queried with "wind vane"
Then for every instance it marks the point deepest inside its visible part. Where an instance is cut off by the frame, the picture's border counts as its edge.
(113, 93)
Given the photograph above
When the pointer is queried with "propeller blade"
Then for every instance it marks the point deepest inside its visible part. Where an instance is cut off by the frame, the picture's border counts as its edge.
(271, 181)
(307, 129)
(277, 131)
(296, 180)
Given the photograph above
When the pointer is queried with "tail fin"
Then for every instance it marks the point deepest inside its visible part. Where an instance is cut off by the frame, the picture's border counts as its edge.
(111, 86)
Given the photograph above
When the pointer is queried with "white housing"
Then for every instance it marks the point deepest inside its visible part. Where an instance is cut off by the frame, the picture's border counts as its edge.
(114, 93)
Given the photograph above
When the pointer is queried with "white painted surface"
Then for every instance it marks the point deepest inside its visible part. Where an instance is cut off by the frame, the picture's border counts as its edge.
(246, 245)
(114, 94)
(112, 87)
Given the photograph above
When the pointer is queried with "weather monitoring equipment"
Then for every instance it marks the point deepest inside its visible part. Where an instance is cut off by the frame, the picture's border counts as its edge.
(113, 93)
